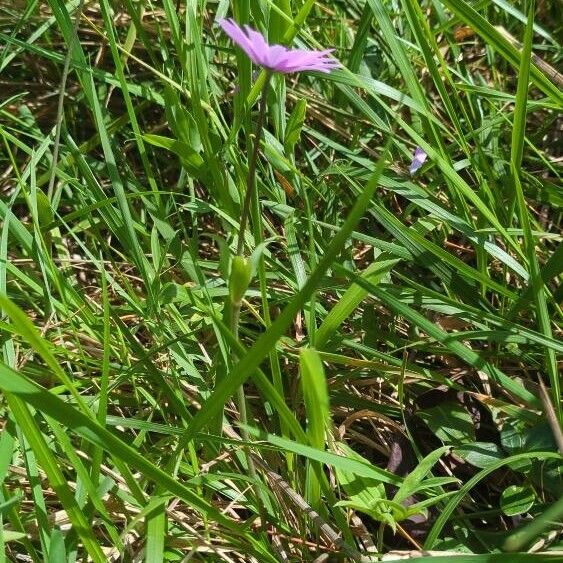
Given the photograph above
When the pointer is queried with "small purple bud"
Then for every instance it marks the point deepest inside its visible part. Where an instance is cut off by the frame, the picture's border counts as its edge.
(418, 160)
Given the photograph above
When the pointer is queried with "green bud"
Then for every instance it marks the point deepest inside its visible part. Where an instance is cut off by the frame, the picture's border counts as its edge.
(241, 274)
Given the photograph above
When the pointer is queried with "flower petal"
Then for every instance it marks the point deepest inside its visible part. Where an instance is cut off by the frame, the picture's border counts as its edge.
(300, 59)
(277, 58)
(239, 37)
(259, 46)
(418, 160)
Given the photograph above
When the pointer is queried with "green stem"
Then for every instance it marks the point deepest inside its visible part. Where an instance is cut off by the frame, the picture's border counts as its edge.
(241, 398)
(250, 188)
(243, 417)
(380, 533)
(235, 307)
(60, 103)
(251, 181)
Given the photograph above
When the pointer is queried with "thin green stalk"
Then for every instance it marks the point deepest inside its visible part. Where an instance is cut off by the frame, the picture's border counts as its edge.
(60, 103)
(241, 398)
(243, 415)
(235, 305)
(251, 181)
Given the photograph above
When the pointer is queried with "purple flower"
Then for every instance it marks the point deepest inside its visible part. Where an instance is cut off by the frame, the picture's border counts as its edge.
(418, 160)
(277, 58)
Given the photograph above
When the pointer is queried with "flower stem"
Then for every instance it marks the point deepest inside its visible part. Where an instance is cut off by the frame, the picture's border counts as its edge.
(235, 306)
(251, 181)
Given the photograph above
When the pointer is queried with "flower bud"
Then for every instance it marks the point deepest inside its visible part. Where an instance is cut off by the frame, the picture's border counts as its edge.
(241, 274)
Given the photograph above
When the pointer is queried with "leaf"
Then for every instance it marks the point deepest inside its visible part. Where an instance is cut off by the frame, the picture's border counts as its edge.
(365, 494)
(515, 438)
(376, 511)
(45, 214)
(450, 422)
(47, 461)
(57, 551)
(517, 500)
(11, 535)
(420, 507)
(315, 395)
(540, 438)
(190, 159)
(5, 506)
(353, 464)
(512, 437)
(480, 454)
(486, 30)
(294, 125)
(414, 480)
(29, 392)
(353, 296)
(180, 120)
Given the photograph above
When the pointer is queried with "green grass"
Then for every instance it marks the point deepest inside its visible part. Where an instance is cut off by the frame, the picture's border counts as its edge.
(397, 330)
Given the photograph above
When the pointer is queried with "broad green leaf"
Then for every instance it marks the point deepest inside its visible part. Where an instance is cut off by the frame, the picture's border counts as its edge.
(365, 494)
(517, 500)
(57, 551)
(480, 454)
(450, 422)
(44, 210)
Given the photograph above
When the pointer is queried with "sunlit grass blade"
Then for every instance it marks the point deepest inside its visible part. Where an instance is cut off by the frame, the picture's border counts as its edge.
(537, 284)
(315, 395)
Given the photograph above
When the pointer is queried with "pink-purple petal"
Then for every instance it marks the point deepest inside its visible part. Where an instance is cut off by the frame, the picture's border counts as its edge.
(277, 58)
(259, 46)
(309, 60)
(277, 55)
(238, 37)
(292, 60)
